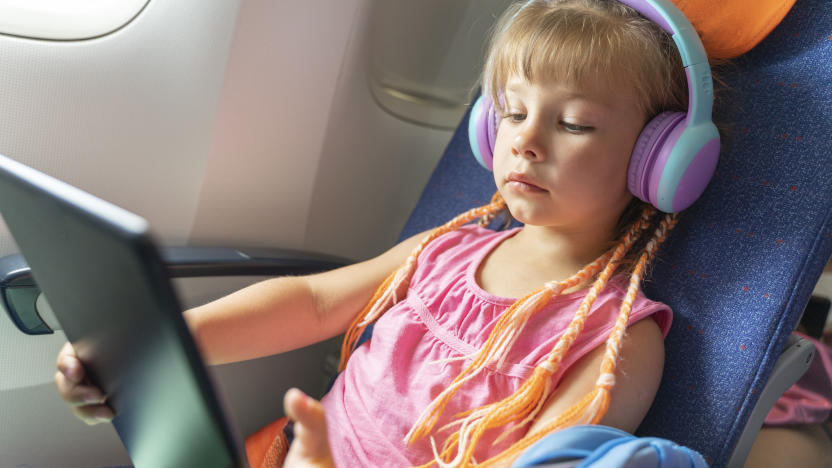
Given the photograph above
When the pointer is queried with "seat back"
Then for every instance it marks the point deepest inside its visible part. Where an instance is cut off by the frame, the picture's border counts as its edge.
(740, 266)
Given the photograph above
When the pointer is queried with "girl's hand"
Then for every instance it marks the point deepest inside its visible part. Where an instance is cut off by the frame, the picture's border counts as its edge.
(311, 445)
(87, 401)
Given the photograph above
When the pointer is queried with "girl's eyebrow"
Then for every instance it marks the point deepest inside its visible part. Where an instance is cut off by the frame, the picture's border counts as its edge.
(513, 87)
(576, 96)
(518, 89)
(512, 91)
(569, 95)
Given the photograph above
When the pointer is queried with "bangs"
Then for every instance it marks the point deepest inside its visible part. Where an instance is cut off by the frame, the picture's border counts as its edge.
(573, 45)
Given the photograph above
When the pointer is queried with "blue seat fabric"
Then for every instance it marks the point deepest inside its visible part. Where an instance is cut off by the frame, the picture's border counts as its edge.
(741, 265)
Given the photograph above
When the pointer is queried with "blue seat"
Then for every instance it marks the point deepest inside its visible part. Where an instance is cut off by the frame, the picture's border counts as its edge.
(741, 265)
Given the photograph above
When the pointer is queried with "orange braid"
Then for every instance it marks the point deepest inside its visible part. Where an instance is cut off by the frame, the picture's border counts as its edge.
(527, 401)
(385, 295)
(594, 405)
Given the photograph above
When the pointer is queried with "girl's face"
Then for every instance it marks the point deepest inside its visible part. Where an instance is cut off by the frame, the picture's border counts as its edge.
(562, 152)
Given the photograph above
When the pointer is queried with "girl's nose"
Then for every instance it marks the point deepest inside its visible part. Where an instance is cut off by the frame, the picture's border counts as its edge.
(527, 144)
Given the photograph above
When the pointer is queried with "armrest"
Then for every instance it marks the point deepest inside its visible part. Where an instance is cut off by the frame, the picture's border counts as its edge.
(790, 366)
(30, 311)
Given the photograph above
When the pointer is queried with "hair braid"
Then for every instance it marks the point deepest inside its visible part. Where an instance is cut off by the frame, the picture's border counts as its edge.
(527, 401)
(385, 295)
(594, 405)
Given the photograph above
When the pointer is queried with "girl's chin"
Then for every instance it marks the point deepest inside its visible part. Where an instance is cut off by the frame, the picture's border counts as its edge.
(527, 215)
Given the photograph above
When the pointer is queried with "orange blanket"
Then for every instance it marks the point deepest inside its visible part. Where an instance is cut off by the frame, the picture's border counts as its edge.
(267, 447)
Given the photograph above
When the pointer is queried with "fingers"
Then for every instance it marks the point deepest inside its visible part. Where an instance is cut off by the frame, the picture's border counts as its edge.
(311, 445)
(304, 410)
(87, 400)
(77, 394)
(69, 365)
(94, 414)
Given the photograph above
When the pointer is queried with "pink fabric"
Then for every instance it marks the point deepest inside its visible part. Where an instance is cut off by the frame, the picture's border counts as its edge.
(393, 377)
(808, 401)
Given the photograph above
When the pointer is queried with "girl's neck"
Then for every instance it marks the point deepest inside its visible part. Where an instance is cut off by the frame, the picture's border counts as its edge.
(572, 249)
(535, 255)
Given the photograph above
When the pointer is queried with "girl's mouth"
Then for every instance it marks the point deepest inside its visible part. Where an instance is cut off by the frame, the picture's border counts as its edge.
(522, 183)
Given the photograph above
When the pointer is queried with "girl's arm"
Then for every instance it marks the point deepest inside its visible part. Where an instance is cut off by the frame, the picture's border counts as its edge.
(266, 318)
(286, 313)
(637, 378)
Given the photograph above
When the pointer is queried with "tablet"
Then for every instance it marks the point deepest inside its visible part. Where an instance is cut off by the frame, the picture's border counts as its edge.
(103, 276)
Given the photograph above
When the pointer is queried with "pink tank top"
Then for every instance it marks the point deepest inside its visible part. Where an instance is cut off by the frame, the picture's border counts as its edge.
(392, 378)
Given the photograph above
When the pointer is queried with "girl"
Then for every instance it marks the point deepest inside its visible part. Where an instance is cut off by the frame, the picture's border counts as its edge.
(458, 371)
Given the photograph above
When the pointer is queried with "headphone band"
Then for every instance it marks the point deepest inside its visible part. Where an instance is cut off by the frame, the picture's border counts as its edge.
(667, 16)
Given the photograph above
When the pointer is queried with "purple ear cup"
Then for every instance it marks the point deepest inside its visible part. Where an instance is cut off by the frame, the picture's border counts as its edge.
(652, 148)
(684, 186)
(491, 127)
(673, 161)
(482, 131)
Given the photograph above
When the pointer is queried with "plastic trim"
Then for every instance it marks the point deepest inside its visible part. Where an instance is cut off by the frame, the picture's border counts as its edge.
(788, 369)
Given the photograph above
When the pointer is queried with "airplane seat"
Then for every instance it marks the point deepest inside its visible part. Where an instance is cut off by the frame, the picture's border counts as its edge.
(740, 266)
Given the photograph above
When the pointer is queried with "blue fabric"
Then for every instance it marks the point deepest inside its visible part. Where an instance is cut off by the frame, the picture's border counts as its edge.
(741, 265)
(607, 447)
(574, 443)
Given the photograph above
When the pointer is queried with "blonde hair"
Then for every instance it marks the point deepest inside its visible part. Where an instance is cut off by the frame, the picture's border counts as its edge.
(552, 40)
(572, 41)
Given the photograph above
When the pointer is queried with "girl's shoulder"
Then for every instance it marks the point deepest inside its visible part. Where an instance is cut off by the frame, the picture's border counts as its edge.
(643, 306)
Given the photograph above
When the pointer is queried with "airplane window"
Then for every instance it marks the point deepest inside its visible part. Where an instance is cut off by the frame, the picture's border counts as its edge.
(426, 56)
(66, 19)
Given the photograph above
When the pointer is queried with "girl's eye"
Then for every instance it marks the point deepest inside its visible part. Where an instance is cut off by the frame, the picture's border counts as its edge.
(515, 117)
(575, 128)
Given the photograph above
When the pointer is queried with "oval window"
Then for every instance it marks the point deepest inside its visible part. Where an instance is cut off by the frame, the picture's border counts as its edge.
(66, 20)
(426, 56)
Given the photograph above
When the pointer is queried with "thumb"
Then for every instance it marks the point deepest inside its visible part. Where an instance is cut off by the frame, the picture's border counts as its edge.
(311, 440)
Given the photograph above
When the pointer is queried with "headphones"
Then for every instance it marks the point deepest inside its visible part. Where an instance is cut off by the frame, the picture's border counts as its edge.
(676, 153)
